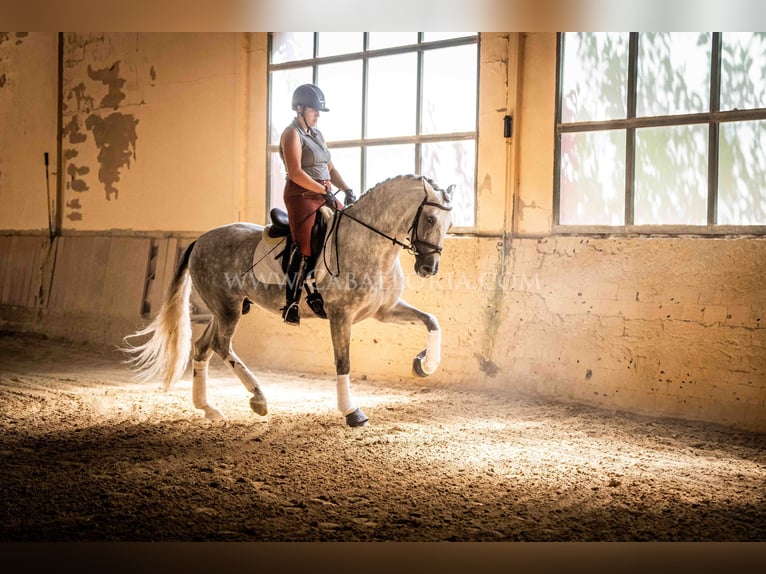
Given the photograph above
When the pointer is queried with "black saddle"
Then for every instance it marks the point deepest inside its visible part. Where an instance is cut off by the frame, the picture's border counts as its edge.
(280, 227)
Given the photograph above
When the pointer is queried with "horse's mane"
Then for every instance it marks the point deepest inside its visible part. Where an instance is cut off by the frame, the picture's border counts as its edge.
(386, 184)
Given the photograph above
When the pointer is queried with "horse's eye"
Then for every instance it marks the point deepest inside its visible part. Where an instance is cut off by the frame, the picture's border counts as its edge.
(430, 220)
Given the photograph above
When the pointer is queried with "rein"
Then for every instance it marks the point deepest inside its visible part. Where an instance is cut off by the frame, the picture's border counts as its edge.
(412, 247)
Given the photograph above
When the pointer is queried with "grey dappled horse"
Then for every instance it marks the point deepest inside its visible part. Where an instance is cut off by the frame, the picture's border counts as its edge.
(358, 275)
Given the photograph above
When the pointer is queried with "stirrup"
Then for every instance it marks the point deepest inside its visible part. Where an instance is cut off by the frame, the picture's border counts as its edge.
(291, 314)
(315, 301)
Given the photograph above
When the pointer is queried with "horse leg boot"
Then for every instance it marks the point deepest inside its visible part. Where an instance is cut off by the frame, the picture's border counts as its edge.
(296, 273)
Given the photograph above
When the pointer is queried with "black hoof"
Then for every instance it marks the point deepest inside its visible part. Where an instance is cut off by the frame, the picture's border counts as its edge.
(357, 419)
(258, 405)
(291, 315)
(417, 364)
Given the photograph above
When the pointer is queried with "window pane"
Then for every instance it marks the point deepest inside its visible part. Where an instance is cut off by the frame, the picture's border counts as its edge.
(742, 174)
(342, 86)
(291, 46)
(743, 70)
(276, 180)
(592, 184)
(334, 43)
(453, 162)
(387, 161)
(671, 175)
(378, 40)
(449, 90)
(347, 160)
(595, 77)
(673, 73)
(283, 84)
(392, 95)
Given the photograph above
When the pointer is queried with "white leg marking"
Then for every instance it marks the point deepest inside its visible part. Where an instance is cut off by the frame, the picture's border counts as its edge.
(343, 386)
(242, 372)
(199, 391)
(199, 380)
(433, 352)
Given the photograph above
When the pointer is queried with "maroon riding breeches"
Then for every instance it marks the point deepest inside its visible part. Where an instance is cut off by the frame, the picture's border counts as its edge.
(302, 205)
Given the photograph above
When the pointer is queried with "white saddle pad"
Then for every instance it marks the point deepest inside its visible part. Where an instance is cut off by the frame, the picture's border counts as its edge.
(266, 267)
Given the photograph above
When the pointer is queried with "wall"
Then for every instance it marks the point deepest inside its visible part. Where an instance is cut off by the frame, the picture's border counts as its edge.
(28, 111)
(668, 326)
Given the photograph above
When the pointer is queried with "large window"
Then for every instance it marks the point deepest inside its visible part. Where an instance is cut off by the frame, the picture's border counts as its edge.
(661, 129)
(400, 102)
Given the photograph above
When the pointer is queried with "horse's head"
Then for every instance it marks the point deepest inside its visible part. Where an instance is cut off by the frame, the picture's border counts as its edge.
(432, 221)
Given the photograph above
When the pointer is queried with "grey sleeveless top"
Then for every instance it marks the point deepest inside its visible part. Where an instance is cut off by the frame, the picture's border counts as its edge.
(314, 153)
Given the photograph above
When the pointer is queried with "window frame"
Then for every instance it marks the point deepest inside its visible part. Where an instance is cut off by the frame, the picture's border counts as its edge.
(418, 139)
(714, 117)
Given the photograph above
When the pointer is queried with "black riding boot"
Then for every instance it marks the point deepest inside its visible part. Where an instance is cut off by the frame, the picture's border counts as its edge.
(296, 273)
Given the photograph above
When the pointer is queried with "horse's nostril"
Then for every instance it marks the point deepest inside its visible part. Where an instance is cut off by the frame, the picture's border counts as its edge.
(428, 269)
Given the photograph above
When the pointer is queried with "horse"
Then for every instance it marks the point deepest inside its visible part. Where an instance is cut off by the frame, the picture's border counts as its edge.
(358, 274)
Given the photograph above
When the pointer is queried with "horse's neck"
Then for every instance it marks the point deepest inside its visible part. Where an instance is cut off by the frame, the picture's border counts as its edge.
(391, 211)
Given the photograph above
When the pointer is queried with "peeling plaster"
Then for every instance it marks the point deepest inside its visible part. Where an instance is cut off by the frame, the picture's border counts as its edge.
(76, 184)
(115, 137)
(72, 129)
(110, 77)
(80, 93)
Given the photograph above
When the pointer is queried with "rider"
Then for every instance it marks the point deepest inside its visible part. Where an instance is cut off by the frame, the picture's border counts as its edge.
(310, 176)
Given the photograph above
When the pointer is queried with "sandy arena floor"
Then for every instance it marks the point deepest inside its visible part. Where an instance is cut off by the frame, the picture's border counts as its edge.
(89, 455)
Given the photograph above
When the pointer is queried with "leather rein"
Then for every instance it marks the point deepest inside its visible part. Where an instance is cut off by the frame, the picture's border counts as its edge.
(415, 244)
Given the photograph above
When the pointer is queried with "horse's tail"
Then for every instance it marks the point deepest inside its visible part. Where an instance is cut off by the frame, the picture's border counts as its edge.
(166, 353)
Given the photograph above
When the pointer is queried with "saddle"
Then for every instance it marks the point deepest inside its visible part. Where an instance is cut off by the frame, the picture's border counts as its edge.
(279, 228)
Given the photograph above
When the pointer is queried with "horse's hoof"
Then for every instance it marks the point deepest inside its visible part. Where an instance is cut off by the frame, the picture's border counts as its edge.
(417, 364)
(258, 404)
(213, 414)
(357, 419)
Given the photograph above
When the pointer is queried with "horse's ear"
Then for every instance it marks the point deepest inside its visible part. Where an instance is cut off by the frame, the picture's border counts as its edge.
(448, 193)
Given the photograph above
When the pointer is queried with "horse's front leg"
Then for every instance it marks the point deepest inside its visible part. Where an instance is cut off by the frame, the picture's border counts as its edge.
(340, 326)
(427, 361)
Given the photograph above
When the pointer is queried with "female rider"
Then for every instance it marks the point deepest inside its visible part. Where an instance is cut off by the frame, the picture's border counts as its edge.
(310, 176)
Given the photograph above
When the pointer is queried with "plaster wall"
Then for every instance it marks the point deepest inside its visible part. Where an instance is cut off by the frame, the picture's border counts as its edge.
(28, 111)
(154, 130)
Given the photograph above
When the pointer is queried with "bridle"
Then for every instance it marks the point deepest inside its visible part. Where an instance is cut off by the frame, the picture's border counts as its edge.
(415, 244)
(415, 241)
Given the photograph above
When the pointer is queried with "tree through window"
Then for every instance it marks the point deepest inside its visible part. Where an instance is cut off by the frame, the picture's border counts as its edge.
(661, 129)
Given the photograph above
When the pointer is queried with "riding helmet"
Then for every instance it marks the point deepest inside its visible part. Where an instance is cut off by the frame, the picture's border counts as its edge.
(309, 95)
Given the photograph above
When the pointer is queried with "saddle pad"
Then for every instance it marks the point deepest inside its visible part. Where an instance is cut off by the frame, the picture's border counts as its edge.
(266, 267)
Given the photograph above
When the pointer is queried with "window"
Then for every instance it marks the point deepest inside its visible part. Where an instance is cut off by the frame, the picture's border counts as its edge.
(401, 102)
(661, 129)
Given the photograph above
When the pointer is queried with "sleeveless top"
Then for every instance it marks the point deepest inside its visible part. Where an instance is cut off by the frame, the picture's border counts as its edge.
(314, 153)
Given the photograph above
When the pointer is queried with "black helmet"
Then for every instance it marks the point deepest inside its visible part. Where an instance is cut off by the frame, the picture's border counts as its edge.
(309, 95)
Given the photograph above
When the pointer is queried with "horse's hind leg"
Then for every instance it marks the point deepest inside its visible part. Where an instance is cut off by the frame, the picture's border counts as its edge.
(427, 361)
(221, 344)
(200, 361)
